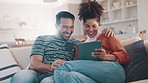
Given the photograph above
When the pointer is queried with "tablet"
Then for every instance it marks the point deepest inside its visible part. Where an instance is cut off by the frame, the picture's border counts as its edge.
(85, 50)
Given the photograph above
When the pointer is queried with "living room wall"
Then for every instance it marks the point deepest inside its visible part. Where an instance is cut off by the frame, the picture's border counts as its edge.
(26, 21)
(31, 20)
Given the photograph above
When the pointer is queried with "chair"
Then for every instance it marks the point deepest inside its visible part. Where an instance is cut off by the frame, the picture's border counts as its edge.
(20, 41)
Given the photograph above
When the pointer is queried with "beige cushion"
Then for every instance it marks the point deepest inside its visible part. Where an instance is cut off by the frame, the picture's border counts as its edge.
(8, 66)
(21, 55)
(129, 40)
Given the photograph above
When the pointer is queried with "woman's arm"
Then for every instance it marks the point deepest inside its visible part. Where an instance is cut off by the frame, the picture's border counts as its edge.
(101, 53)
(113, 48)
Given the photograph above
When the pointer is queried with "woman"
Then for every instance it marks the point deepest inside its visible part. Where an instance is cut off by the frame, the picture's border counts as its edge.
(112, 54)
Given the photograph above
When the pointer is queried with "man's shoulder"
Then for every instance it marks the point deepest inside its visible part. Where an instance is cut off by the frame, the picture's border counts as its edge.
(72, 40)
(45, 37)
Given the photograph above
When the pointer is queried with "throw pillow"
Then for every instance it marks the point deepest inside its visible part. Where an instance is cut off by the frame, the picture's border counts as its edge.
(8, 66)
(137, 68)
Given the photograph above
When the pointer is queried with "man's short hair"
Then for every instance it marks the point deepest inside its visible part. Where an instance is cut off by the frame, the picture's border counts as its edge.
(64, 14)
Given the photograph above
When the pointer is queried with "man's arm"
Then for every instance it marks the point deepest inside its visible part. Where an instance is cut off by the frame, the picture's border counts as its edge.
(108, 32)
(115, 50)
(37, 64)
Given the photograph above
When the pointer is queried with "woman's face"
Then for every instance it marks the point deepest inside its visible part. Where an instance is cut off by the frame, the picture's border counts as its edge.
(91, 27)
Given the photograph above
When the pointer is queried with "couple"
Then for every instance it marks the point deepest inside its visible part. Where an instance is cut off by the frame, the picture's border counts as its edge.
(49, 57)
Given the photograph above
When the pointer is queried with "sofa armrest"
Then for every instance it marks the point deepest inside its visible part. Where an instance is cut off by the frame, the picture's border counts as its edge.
(146, 45)
(129, 40)
(140, 81)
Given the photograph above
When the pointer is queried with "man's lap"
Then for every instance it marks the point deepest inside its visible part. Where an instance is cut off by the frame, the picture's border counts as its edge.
(98, 70)
(28, 76)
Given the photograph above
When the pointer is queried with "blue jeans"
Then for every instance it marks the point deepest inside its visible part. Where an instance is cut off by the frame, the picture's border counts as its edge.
(90, 72)
(30, 76)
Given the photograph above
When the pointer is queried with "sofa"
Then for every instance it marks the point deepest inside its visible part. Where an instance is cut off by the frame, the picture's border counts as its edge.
(16, 59)
(13, 60)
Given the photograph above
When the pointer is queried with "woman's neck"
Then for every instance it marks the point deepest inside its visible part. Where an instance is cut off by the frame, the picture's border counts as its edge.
(91, 39)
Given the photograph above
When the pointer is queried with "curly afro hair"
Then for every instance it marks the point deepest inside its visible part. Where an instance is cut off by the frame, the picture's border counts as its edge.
(91, 9)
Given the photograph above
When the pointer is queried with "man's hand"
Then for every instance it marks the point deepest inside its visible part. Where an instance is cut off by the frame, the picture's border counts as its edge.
(108, 32)
(57, 63)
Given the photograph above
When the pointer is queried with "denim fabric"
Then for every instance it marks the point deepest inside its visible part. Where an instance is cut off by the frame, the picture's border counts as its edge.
(48, 80)
(99, 71)
(30, 76)
(75, 77)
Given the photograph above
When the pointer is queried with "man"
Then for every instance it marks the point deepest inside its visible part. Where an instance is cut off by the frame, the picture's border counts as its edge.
(49, 52)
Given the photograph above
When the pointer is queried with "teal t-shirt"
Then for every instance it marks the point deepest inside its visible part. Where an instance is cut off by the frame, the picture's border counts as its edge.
(52, 48)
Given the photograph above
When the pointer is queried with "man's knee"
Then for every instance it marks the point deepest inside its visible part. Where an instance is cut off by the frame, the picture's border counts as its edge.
(76, 77)
(25, 76)
(48, 80)
(72, 76)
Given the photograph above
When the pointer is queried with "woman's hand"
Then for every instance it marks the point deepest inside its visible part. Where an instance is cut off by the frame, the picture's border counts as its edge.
(57, 63)
(101, 53)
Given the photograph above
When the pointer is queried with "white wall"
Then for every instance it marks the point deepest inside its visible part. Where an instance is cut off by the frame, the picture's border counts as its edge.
(73, 8)
(37, 20)
(31, 20)
(143, 15)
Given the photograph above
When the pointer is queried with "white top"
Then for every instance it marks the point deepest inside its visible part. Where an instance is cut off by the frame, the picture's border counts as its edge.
(91, 39)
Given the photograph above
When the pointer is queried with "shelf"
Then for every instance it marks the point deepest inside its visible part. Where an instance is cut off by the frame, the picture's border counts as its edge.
(131, 19)
(101, 0)
(115, 9)
(117, 14)
(119, 21)
(133, 5)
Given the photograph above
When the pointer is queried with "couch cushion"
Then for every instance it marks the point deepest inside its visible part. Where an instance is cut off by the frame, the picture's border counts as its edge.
(8, 66)
(129, 40)
(137, 69)
(21, 55)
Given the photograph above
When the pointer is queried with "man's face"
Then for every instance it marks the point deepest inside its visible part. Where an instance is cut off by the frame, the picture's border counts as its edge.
(65, 28)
